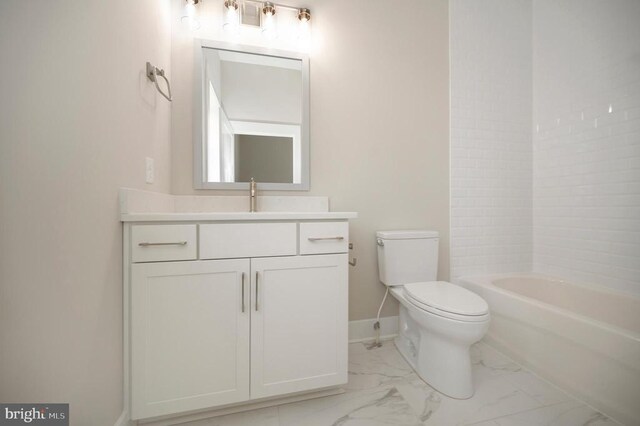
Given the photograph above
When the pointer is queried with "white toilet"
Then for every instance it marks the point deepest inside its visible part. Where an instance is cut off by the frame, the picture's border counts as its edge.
(439, 321)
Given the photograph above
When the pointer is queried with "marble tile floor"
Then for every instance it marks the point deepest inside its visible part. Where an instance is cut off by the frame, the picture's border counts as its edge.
(384, 390)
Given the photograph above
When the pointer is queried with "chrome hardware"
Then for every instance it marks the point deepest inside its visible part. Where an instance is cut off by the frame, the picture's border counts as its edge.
(325, 238)
(252, 196)
(354, 261)
(304, 15)
(257, 290)
(243, 292)
(177, 243)
(269, 9)
(153, 73)
(380, 242)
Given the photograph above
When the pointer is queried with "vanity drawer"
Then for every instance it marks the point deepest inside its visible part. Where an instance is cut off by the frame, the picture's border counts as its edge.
(231, 240)
(157, 243)
(324, 237)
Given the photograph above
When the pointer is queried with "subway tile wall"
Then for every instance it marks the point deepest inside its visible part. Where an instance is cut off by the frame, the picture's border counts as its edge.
(491, 131)
(586, 141)
(545, 139)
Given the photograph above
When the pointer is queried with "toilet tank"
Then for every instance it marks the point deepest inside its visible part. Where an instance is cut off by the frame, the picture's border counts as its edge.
(407, 256)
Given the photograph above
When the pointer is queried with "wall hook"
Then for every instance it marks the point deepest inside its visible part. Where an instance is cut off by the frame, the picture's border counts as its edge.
(153, 73)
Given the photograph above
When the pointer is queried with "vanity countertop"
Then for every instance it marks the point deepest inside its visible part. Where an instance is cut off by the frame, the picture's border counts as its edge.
(234, 216)
(144, 206)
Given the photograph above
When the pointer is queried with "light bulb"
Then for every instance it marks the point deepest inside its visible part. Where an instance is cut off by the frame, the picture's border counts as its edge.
(189, 15)
(269, 20)
(304, 30)
(230, 16)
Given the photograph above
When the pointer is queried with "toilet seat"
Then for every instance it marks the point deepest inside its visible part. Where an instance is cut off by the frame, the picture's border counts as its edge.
(447, 300)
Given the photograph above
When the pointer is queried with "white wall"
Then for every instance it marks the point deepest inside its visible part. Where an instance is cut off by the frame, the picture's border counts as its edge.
(491, 154)
(586, 159)
(77, 119)
(379, 122)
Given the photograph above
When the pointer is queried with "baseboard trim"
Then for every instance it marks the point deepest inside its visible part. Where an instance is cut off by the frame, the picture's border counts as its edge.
(178, 419)
(362, 330)
(123, 420)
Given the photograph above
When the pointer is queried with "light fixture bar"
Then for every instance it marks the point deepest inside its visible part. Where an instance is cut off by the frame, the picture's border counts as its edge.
(286, 7)
(262, 15)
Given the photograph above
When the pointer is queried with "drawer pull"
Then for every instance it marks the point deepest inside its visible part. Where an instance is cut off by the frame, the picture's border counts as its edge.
(257, 275)
(177, 243)
(243, 292)
(325, 238)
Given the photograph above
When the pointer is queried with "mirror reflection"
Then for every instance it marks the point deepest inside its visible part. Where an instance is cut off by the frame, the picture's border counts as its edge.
(252, 152)
(253, 117)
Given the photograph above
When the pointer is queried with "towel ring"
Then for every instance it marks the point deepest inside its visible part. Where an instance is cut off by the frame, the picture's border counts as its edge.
(153, 73)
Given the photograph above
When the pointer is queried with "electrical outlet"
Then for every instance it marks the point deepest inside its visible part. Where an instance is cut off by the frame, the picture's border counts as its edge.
(149, 170)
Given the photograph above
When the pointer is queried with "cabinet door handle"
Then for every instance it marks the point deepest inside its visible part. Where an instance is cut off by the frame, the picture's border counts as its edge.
(177, 243)
(325, 238)
(243, 292)
(257, 275)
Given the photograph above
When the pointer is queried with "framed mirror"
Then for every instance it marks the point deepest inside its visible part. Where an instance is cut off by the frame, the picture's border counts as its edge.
(251, 117)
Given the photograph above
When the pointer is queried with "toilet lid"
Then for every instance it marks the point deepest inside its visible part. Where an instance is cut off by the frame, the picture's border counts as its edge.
(447, 297)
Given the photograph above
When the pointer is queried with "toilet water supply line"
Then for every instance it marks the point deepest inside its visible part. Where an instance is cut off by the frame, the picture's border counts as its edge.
(376, 325)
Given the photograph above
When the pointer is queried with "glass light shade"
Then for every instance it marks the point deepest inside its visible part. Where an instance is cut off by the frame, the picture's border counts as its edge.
(231, 17)
(189, 16)
(269, 26)
(304, 28)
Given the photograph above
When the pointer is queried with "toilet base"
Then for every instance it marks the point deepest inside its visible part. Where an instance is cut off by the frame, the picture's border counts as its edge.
(440, 359)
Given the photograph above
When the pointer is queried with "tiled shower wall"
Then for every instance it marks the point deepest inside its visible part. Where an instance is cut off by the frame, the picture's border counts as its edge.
(491, 150)
(545, 139)
(586, 140)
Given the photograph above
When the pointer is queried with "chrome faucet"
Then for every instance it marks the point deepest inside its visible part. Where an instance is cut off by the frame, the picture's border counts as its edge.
(252, 196)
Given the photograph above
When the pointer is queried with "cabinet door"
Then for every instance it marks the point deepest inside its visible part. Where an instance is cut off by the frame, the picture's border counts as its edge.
(189, 336)
(298, 323)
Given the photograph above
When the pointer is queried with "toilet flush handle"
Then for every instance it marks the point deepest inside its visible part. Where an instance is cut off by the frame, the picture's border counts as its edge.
(380, 242)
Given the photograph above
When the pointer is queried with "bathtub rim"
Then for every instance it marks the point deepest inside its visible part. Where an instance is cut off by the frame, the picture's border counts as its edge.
(486, 281)
(618, 349)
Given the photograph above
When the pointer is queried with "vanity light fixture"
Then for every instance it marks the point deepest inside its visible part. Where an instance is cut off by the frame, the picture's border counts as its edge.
(304, 15)
(189, 15)
(269, 9)
(268, 20)
(230, 16)
(304, 36)
(263, 16)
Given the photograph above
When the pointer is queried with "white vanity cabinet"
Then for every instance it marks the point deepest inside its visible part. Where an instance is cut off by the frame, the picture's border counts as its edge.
(189, 336)
(298, 323)
(223, 313)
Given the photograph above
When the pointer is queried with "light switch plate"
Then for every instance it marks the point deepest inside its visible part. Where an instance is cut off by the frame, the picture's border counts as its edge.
(149, 170)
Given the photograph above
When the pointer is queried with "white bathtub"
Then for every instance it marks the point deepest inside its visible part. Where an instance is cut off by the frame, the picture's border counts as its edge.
(585, 339)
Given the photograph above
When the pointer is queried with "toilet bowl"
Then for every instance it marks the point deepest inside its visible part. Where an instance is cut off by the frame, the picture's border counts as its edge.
(439, 321)
(436, 344)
